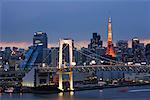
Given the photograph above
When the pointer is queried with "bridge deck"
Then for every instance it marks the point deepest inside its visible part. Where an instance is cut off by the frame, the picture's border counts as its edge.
(132, 68)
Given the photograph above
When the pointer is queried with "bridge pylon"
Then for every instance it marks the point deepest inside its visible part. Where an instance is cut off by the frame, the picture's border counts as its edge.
(61, 68)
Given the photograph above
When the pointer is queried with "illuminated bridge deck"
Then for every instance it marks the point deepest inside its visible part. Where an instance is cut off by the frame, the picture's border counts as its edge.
(131, 68)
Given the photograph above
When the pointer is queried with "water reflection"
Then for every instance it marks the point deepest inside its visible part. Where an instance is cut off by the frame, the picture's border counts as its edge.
(100, 91)
(66, 96)
(60, 94)
(140, 93)
(21, 94)
(10, 94)
(71, 93)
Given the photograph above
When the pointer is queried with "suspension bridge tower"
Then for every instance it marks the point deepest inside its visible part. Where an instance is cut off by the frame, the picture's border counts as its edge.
(62, 66)
(110, 49)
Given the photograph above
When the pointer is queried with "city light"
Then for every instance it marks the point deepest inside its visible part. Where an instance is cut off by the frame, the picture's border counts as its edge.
(71, 93)
(60, 94)
(43, 65)
(74, 50)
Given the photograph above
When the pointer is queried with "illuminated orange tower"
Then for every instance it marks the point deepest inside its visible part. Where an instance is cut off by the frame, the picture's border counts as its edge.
(110, 49)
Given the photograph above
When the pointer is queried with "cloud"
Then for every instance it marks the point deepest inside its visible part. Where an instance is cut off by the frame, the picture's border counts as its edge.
(22, 44)
(15, 44)
(78, 44)
(52, 45)
(145, 41)
(25, 45)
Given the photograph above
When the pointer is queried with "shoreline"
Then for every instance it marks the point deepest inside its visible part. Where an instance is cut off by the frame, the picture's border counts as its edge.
(79, 89)
(107, 87)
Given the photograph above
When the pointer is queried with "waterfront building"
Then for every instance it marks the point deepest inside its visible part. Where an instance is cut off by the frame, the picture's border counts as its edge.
(11, 57)
(137, 77)
(11, 78)
(15, 59)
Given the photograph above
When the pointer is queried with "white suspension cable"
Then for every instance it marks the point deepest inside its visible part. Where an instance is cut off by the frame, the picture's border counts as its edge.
(51, 51)
(99, 55)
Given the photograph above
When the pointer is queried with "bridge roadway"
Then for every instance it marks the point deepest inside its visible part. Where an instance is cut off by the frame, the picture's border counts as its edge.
(131, 68)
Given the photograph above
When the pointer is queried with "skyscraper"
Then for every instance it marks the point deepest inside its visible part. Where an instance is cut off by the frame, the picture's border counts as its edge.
(40, 39)
(110, 49)
(54, 56)
(138, 51)
(135, 43)
(122, 50)
(147, 53)
(95, 42)
(40, 42)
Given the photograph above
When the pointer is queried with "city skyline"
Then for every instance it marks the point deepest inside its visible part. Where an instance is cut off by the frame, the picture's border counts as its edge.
(74, 49)
(83, 43)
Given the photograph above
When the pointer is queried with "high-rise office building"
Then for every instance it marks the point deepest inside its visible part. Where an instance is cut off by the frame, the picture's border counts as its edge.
(1, 48)
(96, 42)
(78, 57)
(135, 42)
(94, 48)
(46, 55)
(40, 39)
(122, 50)
(7, 53)
(54, 57)
(40, 44)
(122, 44)
(147, 53)
(138, 51)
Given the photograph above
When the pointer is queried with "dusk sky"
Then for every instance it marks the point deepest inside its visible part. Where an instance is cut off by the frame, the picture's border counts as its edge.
(77, 19)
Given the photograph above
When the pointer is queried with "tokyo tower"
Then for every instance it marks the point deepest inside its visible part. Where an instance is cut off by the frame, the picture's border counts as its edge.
(110, 49)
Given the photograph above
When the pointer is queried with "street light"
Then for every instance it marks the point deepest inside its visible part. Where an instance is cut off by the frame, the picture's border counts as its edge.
(73, 63)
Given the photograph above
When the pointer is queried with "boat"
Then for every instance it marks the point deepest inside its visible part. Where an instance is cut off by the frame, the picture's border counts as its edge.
(125, 89)
(1, 90)
(50, 89)
(140, 90)
(9, 90)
